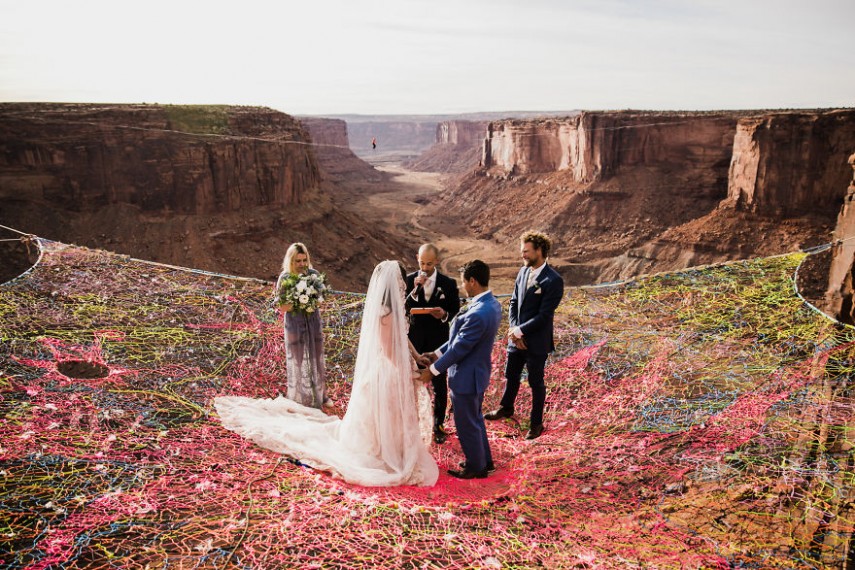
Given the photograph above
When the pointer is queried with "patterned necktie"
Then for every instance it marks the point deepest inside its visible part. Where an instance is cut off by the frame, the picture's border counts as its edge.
(530, 281)
(428, 289)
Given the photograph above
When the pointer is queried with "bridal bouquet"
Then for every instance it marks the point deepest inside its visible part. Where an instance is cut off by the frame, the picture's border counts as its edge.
(303, 292)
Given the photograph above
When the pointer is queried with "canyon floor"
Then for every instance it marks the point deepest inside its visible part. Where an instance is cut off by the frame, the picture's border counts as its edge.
(406, 209)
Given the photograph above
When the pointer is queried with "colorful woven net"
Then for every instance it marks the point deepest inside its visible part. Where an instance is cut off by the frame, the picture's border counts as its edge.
(699, 419)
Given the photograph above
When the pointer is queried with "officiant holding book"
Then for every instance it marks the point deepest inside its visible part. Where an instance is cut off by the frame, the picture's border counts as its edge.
(432, 301)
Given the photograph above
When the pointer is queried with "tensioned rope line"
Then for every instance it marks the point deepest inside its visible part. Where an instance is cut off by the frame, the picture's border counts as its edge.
(613, 128)
(185, 133)
(810, 250)
(14, 230)
(247, 137)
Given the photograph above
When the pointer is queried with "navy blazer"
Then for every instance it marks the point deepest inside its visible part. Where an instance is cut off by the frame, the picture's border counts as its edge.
(534, 315)
(467, 354)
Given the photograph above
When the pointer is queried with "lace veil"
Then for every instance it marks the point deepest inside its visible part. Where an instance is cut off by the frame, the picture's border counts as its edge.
(382, 414)
(378, 442)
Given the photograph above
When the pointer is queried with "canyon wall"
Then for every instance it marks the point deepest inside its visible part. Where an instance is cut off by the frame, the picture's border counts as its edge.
(327, 132)
(337, 161)
(841, 275)
(408, 135)
(461, 132)
(780, 163)
(626, 193)
(219, 188)
(790, 163)
(457, 148)
(181, 159)
(593, 146)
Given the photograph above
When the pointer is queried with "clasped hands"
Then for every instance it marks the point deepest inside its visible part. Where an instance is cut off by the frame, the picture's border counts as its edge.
(426, 359)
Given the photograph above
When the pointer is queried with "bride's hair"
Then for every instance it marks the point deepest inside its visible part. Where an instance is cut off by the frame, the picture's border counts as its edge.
(382, 415)
(293, 250)
(390, 294)
(384, 317)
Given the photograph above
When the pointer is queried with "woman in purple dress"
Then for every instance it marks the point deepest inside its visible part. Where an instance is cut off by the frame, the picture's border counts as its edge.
(304, 341)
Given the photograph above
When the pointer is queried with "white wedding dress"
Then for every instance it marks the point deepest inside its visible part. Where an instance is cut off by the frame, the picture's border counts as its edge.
(384, 436)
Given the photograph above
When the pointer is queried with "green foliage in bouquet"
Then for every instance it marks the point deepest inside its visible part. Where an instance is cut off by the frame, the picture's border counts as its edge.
(303, 292)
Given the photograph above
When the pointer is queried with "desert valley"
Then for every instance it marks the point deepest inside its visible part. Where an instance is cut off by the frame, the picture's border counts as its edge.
(699, 411)
(624, 193)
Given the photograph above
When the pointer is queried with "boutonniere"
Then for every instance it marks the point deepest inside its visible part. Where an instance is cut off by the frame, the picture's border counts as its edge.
(463, 309)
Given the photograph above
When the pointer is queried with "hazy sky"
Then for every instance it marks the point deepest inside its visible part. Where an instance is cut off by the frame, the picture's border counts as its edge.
(432, 56)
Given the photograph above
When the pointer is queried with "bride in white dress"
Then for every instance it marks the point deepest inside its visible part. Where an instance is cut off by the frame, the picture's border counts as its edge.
(384, 436)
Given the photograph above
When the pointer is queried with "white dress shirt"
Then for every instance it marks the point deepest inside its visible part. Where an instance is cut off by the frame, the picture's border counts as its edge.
(428, 287)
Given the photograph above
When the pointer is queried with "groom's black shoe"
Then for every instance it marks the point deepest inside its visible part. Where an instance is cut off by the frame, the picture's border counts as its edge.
(534, 431)
(466, 474)
(439, 434)
(491, 467)
(498, 414)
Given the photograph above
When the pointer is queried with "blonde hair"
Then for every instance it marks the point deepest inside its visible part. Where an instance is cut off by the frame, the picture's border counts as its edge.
(293, 250)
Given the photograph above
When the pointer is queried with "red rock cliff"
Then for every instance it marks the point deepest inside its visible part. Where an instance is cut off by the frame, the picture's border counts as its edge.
(595, 145)
(337, 161)
(841, 276)
(791, 162)
(327, 132)
(180, 159)
(626, 193)
(461, 132)
(219, 188)
(457, 148)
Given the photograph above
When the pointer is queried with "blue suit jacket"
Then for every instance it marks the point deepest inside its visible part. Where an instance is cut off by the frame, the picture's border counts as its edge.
(535, 313)
(466, 355)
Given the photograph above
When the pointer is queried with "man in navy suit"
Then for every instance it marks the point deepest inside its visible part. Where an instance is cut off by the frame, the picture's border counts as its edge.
(430, 290)
(537, 293)
(467, 359)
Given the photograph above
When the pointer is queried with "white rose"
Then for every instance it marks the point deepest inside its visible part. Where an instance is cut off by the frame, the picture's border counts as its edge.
(301, 286)
(311, 290)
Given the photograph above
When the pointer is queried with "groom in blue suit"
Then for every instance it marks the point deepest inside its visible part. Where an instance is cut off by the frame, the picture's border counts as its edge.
(466, 357)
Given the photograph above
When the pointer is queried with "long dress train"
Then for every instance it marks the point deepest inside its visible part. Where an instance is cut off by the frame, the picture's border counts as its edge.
(382, 439)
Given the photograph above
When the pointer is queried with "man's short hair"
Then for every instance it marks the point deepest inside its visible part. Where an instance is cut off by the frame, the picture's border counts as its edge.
(429, 247)
(477, 269)
(538, 240)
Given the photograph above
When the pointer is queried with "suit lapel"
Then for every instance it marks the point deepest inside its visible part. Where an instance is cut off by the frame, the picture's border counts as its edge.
(455, 324)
